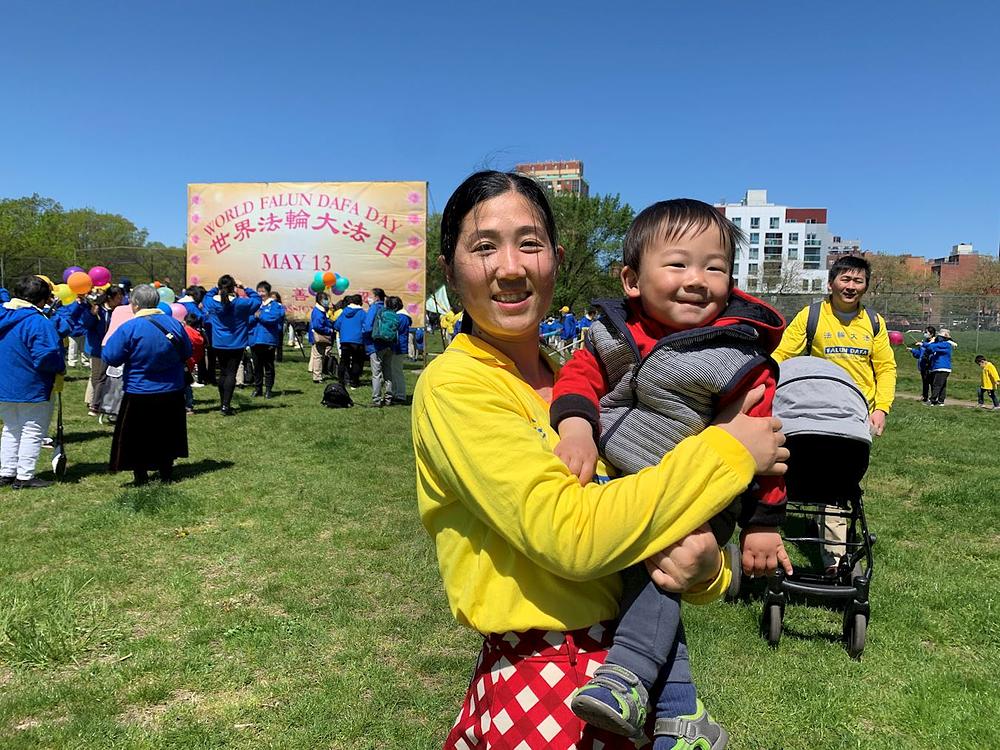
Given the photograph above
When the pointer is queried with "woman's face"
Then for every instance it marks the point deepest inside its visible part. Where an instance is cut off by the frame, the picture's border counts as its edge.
(504, 267)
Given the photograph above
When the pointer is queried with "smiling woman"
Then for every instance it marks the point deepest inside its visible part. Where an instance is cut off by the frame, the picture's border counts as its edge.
(528, 556)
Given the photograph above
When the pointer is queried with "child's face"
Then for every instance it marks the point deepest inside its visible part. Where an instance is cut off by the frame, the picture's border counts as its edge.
(982, 364)
(682, 283)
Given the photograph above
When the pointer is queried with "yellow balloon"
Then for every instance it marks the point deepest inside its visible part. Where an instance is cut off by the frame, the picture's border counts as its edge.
(64, 293)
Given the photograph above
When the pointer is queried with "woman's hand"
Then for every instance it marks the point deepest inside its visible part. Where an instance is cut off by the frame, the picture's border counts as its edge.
(761, 436)
(694, 559)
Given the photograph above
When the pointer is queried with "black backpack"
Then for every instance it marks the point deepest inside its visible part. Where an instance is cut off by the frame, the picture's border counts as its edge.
(335, 396)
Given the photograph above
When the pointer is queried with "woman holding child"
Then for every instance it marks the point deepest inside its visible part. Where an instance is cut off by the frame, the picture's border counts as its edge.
(529, 557)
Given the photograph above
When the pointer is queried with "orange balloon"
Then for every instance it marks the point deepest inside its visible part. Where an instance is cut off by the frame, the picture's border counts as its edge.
(329, 278)
(79, 282)
(157, 284)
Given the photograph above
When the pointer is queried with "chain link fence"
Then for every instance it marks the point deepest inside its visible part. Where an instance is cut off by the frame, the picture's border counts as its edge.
(905, 311)
(139, 265)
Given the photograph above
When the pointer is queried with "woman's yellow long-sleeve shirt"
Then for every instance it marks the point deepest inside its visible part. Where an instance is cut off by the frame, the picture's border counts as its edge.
(519, 542)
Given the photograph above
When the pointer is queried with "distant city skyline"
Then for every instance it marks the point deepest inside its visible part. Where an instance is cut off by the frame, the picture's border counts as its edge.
(887, 114)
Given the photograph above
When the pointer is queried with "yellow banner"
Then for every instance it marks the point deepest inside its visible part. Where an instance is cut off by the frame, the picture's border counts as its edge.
(373, 233)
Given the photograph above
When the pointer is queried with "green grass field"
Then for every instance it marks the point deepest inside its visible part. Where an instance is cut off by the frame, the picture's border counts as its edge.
(284, 595)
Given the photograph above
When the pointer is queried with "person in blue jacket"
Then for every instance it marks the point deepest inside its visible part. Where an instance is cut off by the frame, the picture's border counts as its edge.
(73, 312)
(151, 431)
(4, 295)
(31, 354)
(321, 335)
(396, 374)
(96, 318)
(266, 327)
(352, 348)
(379, 352)
(938, 353)
(229, 316)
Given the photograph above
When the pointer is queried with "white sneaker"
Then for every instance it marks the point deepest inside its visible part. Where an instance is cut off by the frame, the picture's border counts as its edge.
(197, 385)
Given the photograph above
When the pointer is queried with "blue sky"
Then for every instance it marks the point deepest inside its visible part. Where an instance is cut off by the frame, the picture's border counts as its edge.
(887, 113)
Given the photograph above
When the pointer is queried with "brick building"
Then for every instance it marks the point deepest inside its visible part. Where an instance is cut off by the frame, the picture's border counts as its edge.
(558, 176)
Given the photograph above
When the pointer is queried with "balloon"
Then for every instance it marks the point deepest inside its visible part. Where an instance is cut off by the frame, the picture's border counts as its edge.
(79, 282)
(157, 284)
(329, 278)
(895, 338)
(99, 275)
(167, 295)
(317, 286)
(70, 271)
(334, 290)
(64, 293)
(178, 311)
(342, 284)
(165, 307)
(103, 287)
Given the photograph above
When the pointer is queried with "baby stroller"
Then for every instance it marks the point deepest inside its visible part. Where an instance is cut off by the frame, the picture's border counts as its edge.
(825, 420)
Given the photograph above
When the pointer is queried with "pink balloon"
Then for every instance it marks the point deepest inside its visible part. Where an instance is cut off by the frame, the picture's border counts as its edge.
(895, 338)
(99, 275)
(178, 311)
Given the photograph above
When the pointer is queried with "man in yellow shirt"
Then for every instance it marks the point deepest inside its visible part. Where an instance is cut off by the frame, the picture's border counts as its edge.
(845, 332)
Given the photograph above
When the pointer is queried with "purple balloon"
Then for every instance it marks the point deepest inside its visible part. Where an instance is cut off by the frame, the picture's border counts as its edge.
(70, 271)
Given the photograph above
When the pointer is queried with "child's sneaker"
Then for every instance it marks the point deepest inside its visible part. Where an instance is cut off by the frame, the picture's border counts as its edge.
(614, 700)
(697, 731)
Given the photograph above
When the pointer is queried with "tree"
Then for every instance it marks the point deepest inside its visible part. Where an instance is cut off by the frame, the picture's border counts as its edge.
(591, 230)
(782, 277)
(28, 226)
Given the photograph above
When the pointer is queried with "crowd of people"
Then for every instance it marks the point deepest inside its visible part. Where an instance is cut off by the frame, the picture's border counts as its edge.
(383, 335)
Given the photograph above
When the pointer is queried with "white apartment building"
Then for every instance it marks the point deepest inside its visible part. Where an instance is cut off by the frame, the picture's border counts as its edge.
(786, 249)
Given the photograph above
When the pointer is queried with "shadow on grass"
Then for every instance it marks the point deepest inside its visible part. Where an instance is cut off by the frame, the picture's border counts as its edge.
(83, 437)
(75, 471)
(197, 468)
(266, 404)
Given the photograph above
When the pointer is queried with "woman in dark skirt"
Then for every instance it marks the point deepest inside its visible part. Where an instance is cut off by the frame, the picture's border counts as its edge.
(151, 431)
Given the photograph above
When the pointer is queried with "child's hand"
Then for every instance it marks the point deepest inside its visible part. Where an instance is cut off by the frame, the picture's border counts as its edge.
(763, 550)
(576, 447)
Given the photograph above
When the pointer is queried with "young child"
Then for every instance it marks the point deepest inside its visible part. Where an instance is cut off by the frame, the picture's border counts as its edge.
(657, 368)
(191, 324)
(989, 381)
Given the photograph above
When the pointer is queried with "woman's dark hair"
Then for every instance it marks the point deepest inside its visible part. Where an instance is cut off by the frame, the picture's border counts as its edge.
(378, 293)
(356, 299)
(267, 287)
(482, 186)
(33, 289)
(113, 291)
(227, 288)
(276, 297)
(197, 293)
(394, 303)
(320, 297)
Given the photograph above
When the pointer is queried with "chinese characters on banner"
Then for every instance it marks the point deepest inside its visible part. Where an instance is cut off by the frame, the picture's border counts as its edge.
(374, 233)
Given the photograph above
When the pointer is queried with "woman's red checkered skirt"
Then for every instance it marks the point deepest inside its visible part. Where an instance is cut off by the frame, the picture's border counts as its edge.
(520, 692)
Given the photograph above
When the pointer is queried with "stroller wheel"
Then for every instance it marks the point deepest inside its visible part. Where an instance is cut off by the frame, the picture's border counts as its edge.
(855, 633)
(771, 623)
(736, 569)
